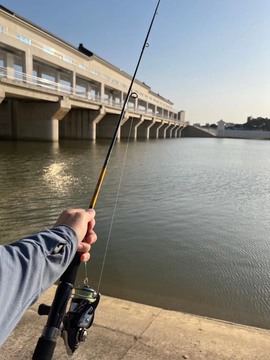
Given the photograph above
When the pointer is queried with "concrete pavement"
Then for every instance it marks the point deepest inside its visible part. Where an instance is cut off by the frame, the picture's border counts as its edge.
(124, 330)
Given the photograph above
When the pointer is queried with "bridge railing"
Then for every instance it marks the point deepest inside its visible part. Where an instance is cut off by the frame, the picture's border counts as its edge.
(21, 78)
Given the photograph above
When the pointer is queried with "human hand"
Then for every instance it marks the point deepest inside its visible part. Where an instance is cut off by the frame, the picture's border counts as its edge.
(82, 222)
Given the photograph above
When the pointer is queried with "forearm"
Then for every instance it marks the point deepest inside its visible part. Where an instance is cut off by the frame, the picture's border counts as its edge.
(28, 267)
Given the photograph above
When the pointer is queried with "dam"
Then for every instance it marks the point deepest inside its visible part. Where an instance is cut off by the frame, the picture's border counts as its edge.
(50, 90)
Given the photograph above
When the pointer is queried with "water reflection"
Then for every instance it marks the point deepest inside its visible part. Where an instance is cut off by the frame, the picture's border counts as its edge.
(58, 179)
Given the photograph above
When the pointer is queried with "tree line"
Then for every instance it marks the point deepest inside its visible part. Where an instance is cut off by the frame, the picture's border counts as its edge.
(259, 123)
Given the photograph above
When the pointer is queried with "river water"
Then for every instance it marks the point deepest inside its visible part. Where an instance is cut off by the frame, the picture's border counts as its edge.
(191, 230)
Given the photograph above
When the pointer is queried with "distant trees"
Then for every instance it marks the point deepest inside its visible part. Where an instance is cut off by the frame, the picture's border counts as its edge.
(252, 123)
(259, 123)
(207, 126)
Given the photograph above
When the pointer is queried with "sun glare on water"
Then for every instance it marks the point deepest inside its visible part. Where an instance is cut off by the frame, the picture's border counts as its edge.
(58, 178)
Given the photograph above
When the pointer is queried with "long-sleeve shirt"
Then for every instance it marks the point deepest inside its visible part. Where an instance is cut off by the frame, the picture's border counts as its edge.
(30, 266)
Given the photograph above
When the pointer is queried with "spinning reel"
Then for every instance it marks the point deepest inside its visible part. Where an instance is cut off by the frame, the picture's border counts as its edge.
(79, 317)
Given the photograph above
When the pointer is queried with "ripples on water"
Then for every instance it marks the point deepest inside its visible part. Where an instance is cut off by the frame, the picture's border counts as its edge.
(191, 229)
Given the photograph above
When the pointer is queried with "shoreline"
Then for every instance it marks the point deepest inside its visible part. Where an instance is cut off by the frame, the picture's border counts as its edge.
(126, 330)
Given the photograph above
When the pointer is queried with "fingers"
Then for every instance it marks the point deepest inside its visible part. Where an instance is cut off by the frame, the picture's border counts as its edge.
(90, 237)
(85, 246)
(82, 222)
(85, 257)
(91, 214)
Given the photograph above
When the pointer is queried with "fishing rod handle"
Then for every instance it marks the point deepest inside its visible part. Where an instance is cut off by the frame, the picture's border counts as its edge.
(46, 343)
(69, 276)
(44, 349)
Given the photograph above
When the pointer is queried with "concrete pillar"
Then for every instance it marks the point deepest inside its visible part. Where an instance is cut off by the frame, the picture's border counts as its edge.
(168, 130)
(175, 131)
(140, 121)
(95, 118)
(121, 98)
(73, 83)
(162, 130)
(28, 65)
(162, 113)
(88, 91)
(172, 129)
(136, 104)
(110, 98)
(125, 118)
(180, 131)
(57, 80)
(10, 66)
(39, 121)
(143, 129)
(152, 126)
(102, 92)
(52, 131)
(155, 111)
(63, 107)
(158, 129)
(129, 127)
(79, 124)
(105, 128)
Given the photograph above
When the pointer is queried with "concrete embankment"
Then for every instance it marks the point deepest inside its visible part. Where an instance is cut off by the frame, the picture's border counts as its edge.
(126, 330)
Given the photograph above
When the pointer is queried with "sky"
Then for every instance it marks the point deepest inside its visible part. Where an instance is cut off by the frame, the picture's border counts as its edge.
(211, 58)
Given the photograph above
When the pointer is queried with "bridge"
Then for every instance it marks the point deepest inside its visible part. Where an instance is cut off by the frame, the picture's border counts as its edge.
(50, 89)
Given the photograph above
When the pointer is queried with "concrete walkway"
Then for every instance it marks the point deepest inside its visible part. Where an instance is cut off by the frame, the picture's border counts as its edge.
(127, 331)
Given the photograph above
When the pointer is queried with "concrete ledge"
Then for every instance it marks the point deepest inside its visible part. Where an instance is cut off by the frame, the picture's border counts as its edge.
(127, 331)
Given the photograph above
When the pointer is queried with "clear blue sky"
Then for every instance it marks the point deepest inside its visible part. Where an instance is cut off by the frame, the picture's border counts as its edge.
(209, 57)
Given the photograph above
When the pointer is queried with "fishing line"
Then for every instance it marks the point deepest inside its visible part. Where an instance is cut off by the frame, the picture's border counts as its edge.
(85, 281)
(114, 208)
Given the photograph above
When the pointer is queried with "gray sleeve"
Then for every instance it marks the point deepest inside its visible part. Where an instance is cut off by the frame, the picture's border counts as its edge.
(27, 268)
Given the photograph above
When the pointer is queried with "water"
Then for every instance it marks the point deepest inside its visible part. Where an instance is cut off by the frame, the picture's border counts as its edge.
(191, 227)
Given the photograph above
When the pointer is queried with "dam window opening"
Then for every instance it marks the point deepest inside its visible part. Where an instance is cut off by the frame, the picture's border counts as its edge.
(24, 39)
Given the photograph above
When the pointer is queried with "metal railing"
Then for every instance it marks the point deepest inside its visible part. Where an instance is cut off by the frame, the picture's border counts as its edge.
(21, 78)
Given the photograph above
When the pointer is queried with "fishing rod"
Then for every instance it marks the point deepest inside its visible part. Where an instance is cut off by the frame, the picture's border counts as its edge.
(72, 325)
